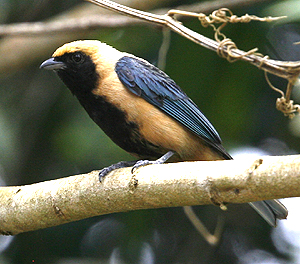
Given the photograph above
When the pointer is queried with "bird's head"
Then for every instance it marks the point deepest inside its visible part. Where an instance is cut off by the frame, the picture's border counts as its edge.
(82, 64)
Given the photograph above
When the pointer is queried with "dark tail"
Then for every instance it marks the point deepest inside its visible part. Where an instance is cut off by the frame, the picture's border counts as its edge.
(270, 210)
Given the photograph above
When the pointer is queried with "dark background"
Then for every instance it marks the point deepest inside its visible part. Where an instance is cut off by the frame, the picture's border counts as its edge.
(45, 134)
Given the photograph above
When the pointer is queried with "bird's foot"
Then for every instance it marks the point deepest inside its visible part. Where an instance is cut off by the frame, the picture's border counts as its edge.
(141, 163)
(135, 164)
(161, 160)
(121, 164)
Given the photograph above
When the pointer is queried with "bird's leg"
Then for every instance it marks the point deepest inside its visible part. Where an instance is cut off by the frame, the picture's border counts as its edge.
(135, 164)
(161, 160)
(121, 164)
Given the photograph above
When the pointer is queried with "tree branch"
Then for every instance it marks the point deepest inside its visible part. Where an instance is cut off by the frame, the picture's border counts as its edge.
(64, 24)
(50, 203)
(287, 70)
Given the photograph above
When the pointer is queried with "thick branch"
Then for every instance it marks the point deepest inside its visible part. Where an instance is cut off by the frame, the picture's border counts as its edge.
(46, 204)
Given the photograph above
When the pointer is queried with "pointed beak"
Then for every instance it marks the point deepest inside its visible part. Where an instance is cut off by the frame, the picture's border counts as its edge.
(51, 64)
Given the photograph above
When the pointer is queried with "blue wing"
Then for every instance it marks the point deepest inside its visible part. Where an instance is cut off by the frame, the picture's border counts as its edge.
(157, 88)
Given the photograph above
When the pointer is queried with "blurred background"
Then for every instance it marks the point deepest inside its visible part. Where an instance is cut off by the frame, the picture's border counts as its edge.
(45, 134)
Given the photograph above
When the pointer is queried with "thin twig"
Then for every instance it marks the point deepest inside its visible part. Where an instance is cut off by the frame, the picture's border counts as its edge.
(212, 239)
(287, 70)
(88, 22)
(164, 48)
(66, 25)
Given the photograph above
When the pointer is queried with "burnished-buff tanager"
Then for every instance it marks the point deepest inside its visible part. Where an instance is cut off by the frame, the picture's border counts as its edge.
(141, 109)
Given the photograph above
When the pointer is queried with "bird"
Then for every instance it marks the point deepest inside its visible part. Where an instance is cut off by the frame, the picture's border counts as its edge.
(142, 110)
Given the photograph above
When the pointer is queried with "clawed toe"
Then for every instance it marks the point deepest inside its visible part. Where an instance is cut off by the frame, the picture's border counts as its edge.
(104, 172)
(121, 164)
(140, 163)
(161, 160)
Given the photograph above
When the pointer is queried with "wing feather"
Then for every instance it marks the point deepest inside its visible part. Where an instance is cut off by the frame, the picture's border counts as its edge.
(157, 88)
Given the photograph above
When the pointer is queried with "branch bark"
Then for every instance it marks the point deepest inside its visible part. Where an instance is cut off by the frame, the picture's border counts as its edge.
(50, 203)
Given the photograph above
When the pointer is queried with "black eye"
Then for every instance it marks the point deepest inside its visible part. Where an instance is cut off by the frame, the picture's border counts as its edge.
(77, 58)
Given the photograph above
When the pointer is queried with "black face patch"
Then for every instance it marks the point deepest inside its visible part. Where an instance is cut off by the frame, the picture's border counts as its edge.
(80, 74)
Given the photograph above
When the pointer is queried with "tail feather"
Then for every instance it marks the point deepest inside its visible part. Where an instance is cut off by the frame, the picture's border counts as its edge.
(270, 210)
